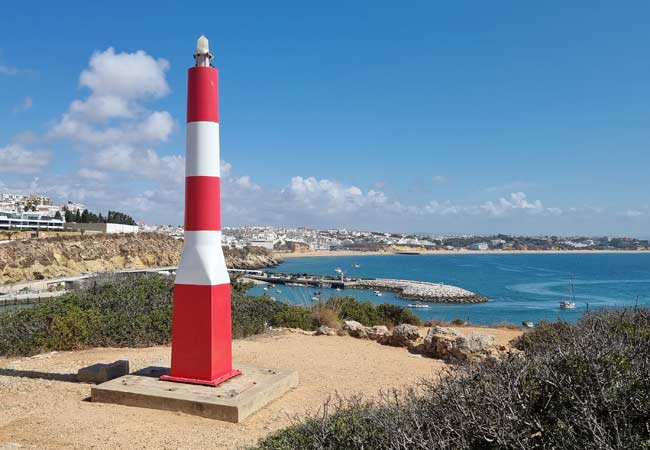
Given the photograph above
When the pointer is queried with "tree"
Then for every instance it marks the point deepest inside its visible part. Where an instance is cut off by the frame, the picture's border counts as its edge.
(69, 217)
(57, 215)
(77, 217)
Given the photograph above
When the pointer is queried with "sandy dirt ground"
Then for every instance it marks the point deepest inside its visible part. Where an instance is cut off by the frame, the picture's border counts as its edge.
(43, 407)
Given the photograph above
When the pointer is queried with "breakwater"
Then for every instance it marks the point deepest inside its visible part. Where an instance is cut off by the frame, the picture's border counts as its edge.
(421, 290)
(407, 289)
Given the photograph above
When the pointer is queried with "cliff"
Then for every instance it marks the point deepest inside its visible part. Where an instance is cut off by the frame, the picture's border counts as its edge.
(71, 255)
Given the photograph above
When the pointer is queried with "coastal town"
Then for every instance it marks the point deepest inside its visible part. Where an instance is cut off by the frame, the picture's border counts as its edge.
(38, 213)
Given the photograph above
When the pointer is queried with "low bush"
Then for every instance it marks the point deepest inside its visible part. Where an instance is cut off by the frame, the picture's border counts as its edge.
(324, 315)
(392, 315)
(116, 311)
(349, 308)
(294, 317)
(252, 315)
(366, 313)
(136, 311)
(576, 387)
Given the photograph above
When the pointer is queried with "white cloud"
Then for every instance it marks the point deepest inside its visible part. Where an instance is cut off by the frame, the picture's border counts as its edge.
(112, 126)
(126, 75)
(634, 213)
(25, 105)
(517, 201)
(245, 182)
(439, 179)
(15, 158)
(91, 174)
(114, 112)
(146, 163)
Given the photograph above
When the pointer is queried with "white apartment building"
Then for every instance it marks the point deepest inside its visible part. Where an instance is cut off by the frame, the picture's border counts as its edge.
(28, 221)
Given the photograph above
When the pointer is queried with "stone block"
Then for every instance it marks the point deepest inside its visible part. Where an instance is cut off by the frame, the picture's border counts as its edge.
(100, 373)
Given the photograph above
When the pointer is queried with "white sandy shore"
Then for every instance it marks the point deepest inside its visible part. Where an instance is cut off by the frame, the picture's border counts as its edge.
(450, 252)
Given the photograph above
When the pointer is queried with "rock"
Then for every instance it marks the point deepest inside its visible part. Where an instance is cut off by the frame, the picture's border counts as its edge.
(439, 342)
(404, 335)
(378, 332)
(475, 345)
(355, 329)
(99, 373)
(325, 331)
(450, 345)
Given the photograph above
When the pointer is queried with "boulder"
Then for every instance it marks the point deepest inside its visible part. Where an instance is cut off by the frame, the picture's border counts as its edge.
(325, 331)
(378, 332)
(439, 342)
(355, 329)
(404, 335)
(450, 345)
(475, 347)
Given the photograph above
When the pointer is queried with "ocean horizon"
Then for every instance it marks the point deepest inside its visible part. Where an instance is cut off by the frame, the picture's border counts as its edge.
(519, 286)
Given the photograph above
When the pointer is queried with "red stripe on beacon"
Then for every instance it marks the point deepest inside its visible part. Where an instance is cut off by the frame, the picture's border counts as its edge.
(201, 327)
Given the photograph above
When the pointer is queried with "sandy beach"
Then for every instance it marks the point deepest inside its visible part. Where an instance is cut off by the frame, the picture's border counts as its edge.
(281, 255)
(43, 407)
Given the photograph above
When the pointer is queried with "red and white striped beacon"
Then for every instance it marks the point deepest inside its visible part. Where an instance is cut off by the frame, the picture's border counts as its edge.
(201, 327)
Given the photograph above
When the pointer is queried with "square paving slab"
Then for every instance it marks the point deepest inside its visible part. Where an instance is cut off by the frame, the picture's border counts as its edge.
(231, 401)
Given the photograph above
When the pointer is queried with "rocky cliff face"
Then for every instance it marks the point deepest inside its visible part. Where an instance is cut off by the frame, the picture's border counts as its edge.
(70, 255)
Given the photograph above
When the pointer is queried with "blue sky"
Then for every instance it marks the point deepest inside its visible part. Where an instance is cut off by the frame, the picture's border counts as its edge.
(513, 117)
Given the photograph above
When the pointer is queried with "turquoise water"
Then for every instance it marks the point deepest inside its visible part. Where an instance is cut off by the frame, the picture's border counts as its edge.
(519, 286)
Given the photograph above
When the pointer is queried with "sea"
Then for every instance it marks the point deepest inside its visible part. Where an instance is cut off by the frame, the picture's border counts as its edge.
(520, 287)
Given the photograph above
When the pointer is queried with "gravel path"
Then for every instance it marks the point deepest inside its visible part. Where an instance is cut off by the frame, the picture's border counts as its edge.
(42, 407)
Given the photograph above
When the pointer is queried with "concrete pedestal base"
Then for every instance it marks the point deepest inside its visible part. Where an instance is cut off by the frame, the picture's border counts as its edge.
(231, 401)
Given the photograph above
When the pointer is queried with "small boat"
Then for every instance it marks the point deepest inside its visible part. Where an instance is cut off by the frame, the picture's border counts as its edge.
(417, 305)
(266, 288)
(527, 324)
(378, 293)
(338, 289)
(278, 291)
(338, 270)
(356, 266)
(571, 302)
(273, 298)
(295, 284)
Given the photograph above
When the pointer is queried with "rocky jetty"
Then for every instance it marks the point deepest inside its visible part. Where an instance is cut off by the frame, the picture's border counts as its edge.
(420, 290)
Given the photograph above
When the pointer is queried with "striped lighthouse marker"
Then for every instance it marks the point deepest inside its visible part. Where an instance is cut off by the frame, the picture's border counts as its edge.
(201, 326)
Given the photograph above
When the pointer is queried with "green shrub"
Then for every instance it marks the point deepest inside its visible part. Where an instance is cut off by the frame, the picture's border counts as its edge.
(544, 336)
(116, 311)
(252, 315)
(136, 311)
(349, 308)
(294, 317)
(366, 313)
(578, 387)
(392, 315)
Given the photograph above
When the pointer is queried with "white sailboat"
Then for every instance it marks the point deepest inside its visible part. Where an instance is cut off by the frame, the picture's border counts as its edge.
(569, 303)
